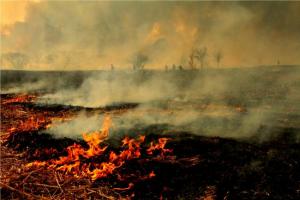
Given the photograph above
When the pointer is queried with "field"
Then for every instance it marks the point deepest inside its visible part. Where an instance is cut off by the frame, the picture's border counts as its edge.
(177, 134)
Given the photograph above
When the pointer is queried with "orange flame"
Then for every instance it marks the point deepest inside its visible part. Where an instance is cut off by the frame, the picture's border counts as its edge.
(160, 146)
(71, 162)
(22, 98)
(26, 119)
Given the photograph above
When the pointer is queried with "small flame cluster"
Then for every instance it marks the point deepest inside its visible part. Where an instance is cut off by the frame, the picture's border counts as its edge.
(16, 117)
(22, 98)
(71, 163)
(31, 124)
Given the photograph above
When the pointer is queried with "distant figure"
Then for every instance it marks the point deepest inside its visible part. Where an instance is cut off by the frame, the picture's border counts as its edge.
(112, 67)
(218, 57)
(278, 62)
(166, 68)
(180, 67)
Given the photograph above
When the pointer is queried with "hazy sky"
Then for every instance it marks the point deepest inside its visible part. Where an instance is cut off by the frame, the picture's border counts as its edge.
(92, 35)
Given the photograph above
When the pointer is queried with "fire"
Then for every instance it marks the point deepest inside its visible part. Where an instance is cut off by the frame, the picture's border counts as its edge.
(33, 123)
(72, 164)
(160, 146)
(95, 138)
(25, 119)
(22, 98)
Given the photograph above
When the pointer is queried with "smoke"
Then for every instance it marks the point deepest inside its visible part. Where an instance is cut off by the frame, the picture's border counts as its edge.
(213, 120)
(236, 104)
(94, 35)
(74, 128)
(24, 88)
(108, 89)
(105, 33)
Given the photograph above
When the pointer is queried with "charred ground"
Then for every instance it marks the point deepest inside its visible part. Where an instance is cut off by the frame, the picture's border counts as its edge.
(199, 167)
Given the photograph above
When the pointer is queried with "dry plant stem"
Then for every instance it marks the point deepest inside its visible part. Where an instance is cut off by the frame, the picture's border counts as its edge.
(57, 181)
(29, 196)
(30, 173)
(45, 185)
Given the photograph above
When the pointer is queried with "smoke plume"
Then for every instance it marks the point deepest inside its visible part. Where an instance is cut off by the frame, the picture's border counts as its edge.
(93, 35)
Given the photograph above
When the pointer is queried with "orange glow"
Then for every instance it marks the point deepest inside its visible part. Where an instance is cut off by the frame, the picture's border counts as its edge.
(154, 34)
(12, 12)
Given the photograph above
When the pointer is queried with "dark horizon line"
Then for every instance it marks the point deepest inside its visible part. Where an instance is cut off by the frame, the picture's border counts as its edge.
(153, 69)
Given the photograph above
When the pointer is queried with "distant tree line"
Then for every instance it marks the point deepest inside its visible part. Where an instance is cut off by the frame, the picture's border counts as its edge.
(199, 55)
(16, 60)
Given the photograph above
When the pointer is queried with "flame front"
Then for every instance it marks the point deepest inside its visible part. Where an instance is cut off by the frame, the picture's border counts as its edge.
(71, 163)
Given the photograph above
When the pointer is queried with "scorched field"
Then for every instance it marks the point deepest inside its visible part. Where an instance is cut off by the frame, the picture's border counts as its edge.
(177, 134)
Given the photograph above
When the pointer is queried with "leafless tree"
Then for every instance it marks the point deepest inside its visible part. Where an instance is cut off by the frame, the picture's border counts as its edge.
(16, 59)
(140, 61)
(191, 60)
(200, 55)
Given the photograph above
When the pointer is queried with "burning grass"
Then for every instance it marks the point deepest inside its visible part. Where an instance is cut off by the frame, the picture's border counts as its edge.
(71, 163)
(83, 164)
(35, 165)
(16, 117)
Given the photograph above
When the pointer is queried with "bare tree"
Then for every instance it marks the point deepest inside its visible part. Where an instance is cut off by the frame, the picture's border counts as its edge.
(191, 60)
(139, 62)
(218, 57)
(16, 59)
(200, 55)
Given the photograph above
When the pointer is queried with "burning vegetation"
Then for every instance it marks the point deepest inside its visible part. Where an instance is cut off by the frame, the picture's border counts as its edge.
(131, 149)
(15, 117)
(220, 122)
(140, 153)
(89, 159)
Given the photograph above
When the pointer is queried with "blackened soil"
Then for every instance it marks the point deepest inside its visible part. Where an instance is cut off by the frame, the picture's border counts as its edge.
(200, 167)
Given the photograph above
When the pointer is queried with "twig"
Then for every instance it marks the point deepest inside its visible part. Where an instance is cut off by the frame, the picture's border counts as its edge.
(130, 185)
(29, 174)
(91, 191)
(45, 185)
(57, 182)
(104, 195)
(48, 192)
(30, 196)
